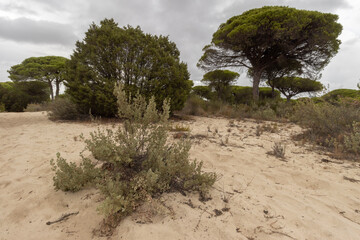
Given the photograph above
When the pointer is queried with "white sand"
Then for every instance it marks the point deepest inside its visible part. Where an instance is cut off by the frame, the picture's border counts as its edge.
(302, 198)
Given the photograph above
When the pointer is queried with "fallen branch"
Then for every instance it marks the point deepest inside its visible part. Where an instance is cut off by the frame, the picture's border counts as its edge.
(324, 160)
(62, 218)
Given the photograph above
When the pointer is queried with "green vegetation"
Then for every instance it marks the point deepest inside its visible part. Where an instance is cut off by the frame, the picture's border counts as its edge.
(49, 69)
(14, 97)
(204, 92)
(62, 108)
(243, 95)
(264, 38)
(337, 94)
(329, 124)
(138, 163)
(144, 63)
(292, 86)
(220, 81)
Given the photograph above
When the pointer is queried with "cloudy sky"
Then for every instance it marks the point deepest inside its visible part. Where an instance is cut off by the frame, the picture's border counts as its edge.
(32, 28)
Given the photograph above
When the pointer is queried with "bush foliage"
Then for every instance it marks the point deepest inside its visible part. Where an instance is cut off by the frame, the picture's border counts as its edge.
(331, 125)
(62, 108)
(15, 96)
(137, 161)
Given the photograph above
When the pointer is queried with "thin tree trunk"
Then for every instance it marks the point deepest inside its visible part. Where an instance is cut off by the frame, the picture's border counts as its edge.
(51, 89)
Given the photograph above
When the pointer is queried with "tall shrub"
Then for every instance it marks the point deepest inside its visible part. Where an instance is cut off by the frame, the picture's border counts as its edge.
(143, 63)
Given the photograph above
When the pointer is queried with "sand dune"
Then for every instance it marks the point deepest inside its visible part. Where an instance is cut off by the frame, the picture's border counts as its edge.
(257, 196)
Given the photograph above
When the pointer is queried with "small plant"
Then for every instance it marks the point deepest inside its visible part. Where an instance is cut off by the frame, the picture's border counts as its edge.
(179, 128)
(258, 131)
(271, 127)
(278, 150)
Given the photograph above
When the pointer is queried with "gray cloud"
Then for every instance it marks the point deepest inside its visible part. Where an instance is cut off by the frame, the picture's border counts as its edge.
(38, 32)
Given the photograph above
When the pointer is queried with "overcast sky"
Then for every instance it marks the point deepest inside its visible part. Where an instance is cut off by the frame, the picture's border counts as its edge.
(33, 28)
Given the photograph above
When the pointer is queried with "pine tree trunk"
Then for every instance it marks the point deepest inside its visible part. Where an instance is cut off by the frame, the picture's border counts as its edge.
(51, 89)
(256, 82)
(57, 83)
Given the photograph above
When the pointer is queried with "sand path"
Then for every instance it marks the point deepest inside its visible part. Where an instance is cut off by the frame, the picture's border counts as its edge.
(257, 195)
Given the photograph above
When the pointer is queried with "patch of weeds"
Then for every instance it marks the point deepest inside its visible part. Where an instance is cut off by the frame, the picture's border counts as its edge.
(278, 150)
(179, 128)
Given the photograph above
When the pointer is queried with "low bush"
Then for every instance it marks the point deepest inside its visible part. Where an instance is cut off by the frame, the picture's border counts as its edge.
(194, 105)
(138, 163)
(330, 124)
(2, 107)
(64, 109)
(36, 107)
(352, 139)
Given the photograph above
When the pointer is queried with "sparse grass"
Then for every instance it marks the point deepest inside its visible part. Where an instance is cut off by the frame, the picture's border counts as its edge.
(179, 128)
(271, 127)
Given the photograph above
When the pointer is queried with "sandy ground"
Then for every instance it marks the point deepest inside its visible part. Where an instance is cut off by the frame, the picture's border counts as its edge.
(257, 196)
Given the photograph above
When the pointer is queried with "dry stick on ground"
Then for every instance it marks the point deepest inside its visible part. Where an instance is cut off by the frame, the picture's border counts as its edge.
(260, 229)
(324, 160)
(343, 214)
(351, 179)
(62, 218)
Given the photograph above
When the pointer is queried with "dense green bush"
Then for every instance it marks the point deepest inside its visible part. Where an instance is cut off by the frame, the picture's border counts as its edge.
(204, 92)
(243, 95)
(144, 63)
(138, 162)
(16, 96)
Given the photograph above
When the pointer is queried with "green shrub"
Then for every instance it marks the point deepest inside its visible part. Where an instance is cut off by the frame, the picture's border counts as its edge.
(36, 107)
(2, 107)
(70, 177)
(204, 92)
(327, 124)
(337, 94)
(17, 95)
(138, 162)
(352, 140)
(194, 105)
(243, 95)
(64, 109)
